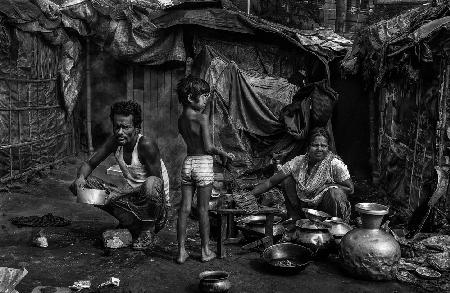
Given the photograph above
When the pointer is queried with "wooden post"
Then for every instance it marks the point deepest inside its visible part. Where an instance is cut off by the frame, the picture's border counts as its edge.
(88, 98)
(372, 139)
(269, 228)
(130, 82)
(341, 12)
(222, 236)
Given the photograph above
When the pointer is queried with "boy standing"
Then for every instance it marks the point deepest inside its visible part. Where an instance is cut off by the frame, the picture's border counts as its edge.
(197, 172)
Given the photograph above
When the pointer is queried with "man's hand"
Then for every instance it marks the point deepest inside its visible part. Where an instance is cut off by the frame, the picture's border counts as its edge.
(112, 195)
(78, 184)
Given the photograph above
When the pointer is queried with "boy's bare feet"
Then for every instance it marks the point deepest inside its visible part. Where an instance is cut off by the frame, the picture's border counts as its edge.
(182, 256)
(208, 256)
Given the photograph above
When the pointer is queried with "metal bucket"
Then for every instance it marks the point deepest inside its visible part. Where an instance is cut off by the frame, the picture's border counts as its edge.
(91, 196)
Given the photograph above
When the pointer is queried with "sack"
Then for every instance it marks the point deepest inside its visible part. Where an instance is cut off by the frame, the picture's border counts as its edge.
(323, 100)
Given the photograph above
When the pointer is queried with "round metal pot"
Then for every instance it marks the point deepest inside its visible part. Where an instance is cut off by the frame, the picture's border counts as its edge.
(369, 252)
(337, 227)
(253, 232)
(214, 282)
(318, 240)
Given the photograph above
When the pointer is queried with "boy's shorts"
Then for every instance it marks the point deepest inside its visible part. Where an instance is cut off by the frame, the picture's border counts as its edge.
(197, 170)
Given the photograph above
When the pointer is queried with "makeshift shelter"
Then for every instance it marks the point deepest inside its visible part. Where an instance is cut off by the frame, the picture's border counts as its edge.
(150, 41)
(405, 64)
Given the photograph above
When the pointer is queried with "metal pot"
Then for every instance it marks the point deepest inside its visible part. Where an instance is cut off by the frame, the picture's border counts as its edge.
(369, 252)
(256, 231)
(214, 282)
(258, 220)
(337, 227)
(315, 215)
(315, 236)
(91, 196)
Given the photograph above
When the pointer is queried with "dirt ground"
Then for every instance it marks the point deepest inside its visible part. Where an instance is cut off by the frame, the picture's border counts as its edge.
(75, 252)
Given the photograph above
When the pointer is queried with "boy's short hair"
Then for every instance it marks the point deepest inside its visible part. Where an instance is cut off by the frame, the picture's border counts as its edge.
(193, 86)
(127, 108)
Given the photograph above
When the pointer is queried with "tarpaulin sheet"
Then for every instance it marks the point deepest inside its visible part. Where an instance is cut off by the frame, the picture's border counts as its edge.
(375, 47)
(248, 121)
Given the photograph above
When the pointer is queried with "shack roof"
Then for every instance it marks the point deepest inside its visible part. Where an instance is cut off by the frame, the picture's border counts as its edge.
(387, 41)
(145, 31)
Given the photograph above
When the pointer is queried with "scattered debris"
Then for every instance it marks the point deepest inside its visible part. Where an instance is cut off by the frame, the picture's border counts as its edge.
(117, 238)
(80, 285)
(40, 240)
(45, 289)
(427, 273)
(112, 282)
(439, 261)
(44, 221)
(10, 278)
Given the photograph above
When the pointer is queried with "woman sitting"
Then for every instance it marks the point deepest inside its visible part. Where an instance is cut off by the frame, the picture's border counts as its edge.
(318, 180)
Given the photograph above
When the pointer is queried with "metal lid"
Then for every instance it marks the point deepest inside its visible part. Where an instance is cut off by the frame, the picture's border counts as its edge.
(372, 208)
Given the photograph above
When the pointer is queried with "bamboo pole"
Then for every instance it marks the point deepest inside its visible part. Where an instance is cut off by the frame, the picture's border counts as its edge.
(372, 138)
(10, 126)
(27, 80)
(130, 82)
(88, 98)
(31, 108)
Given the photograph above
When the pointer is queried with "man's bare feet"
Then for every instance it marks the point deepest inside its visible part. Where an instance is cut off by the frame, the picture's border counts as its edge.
(182, 256)
(208, 256)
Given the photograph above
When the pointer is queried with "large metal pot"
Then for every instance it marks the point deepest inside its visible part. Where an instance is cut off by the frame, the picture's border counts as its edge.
(214, 282)
(369, 252)
(313, 235)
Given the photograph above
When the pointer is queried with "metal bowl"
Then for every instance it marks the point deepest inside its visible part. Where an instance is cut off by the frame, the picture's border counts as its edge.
(315, 215)
(258, 220)
(91, 196)
(214, 282)
(287, 257)
(372, 208)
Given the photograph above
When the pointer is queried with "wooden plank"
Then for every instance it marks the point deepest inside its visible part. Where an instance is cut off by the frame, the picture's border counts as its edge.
(130, 82)
(269, 228)
(146, 99)
(138, 97)
(166, 99)
(222, 236)
(153, 108)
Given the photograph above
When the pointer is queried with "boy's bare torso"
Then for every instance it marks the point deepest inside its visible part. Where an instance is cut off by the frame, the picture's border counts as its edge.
(190, 128)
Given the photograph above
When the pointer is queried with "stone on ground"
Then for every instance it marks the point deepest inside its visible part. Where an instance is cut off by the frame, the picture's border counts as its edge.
(117, 238)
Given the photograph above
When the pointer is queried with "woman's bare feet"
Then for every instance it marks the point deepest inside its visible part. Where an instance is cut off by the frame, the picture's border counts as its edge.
(208, 256)
(182, 256)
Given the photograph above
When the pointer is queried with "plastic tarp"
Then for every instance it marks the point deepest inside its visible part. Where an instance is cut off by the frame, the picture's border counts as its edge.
(254, 115)
(411, 32)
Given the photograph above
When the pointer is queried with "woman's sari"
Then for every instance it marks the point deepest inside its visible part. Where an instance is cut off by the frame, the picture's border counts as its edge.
(320, 182)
